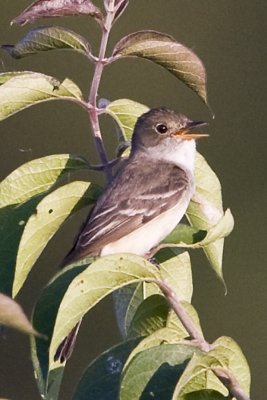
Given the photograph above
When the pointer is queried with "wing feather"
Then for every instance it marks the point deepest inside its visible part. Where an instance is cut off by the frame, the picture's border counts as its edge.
(130, 200)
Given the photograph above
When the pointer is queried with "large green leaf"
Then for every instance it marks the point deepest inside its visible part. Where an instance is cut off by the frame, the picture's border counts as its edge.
(29, 88)
(164, 50)
(47, 38)
(37, 176)
(20, 194)
(44, 316)
(12, 315)
(199, 375)
(50, 214)
(165, 335)
(172, 332)
(101, 379)
(127, 300)
(155, 372)
(205, 211)
(104, 276)
(176, 270)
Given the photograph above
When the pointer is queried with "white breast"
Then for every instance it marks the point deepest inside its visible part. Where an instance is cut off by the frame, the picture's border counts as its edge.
(150, 234)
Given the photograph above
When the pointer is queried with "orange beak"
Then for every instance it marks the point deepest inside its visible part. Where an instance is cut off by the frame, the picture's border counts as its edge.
(186, 133)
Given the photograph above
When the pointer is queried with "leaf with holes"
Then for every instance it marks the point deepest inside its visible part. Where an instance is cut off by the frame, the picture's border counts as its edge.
(103, 277)
(28, 88)
(50, 214)
(37, 176)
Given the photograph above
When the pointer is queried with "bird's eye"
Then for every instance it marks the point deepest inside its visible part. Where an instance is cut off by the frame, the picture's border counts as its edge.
(161, 128)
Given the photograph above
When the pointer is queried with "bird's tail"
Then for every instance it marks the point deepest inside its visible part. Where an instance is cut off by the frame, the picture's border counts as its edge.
(66, 347)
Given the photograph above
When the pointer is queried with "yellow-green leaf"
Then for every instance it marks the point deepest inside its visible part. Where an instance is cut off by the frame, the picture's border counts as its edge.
(104, 276)
(50, 213)
(37, 176)
(29, 88)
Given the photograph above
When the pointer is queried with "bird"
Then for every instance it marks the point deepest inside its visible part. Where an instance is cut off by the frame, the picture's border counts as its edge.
(147, 197)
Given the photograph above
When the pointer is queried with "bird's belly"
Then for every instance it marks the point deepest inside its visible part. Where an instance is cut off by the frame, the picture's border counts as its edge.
(149, 235)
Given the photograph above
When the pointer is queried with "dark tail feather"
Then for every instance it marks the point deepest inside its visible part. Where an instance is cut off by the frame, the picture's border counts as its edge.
(66, 347)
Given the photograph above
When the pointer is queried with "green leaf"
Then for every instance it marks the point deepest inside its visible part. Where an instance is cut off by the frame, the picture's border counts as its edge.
(185, 234)
(125, 112)
(177, 272)
(12, 221)
(56, 8)
(12, 315)
(37, 176)
(127, 300)
(222, 229)
(164, 335)
(101, 379)
(48, 38)
(5, 76)
(174, 322)
(226, 347)
(205, 211)
(44, 317)
(199, 375)
(20, 194)
(219, 231)
(30, 88)
(150, 316)
(103, 277)
(50, 214)
(163, 49)
(153, 373)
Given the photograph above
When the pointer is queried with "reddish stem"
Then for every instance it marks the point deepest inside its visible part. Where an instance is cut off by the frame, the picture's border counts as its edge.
(92, 99)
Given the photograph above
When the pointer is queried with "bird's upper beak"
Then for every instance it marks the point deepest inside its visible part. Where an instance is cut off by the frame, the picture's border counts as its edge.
(186, 133)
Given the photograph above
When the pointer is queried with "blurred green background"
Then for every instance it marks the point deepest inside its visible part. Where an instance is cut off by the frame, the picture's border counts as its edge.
(229, 37)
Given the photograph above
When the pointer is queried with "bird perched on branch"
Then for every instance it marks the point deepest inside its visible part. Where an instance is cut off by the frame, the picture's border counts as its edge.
(147, 197)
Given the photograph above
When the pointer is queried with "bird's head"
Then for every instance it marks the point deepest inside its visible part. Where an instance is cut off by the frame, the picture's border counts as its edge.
(161, 127)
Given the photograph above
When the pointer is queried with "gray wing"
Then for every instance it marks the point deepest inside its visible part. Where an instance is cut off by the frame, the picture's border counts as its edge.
(130, 200)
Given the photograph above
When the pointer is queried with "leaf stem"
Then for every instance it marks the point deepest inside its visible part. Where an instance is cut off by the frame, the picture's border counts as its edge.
(92, 99)
(230, 382)
(180, 311)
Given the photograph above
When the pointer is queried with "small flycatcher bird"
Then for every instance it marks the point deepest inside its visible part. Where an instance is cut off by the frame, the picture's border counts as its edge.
(146, 198)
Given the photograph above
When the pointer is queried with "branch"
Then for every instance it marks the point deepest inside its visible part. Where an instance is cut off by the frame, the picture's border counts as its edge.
(223, 374)
(92, 99)
(101, 167)
(180, 311)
